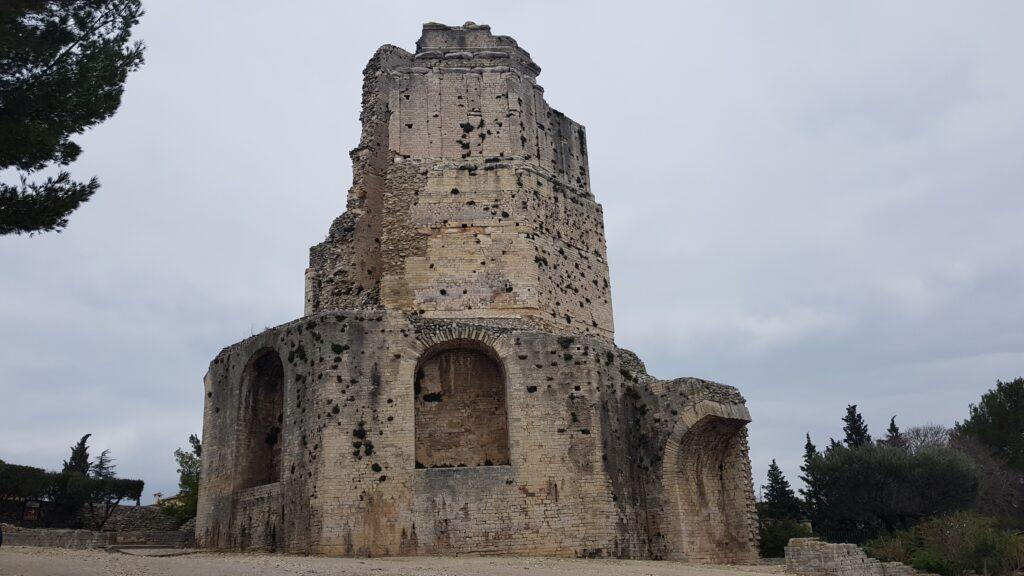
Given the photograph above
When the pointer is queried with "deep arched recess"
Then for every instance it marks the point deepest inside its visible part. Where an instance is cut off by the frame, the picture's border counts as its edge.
(261, 416)
(461, 413)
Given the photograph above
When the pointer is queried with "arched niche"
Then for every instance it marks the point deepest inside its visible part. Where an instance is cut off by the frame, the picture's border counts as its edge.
(461, 407)
(261, 417)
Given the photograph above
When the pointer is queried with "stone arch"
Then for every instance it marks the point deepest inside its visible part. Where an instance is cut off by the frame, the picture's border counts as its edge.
(704, 491)
(461, 406)
(261, 416)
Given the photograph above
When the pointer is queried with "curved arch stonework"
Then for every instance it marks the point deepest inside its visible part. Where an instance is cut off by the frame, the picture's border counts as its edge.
(461, 419)
(707, 512)
(261, 418)
(472, 249)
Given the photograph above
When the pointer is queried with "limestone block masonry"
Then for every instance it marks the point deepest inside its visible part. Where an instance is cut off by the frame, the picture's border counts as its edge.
(454, 387)
(812, 557)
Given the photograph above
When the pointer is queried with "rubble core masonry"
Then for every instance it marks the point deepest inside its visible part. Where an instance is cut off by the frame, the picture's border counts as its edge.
(454, 386)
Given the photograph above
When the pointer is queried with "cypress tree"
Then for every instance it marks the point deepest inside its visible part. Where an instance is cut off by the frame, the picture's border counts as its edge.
(855, 428)
(810, 489)
(79, 460)
(893, 436)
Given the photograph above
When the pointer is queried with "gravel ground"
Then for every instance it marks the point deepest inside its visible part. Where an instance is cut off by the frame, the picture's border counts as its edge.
(18, 561)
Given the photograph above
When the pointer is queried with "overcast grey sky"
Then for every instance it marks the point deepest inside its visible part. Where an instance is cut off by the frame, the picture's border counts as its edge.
(819, 203)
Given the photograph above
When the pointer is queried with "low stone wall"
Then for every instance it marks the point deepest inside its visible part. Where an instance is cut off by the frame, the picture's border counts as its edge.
(81, 539)
(812, 557)
(137, 519)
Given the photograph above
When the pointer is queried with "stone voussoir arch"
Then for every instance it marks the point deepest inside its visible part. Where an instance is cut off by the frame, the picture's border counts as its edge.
(703, 512)
(460, 398)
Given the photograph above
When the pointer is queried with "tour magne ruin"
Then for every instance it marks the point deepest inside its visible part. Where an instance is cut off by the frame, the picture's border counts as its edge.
(454, 386)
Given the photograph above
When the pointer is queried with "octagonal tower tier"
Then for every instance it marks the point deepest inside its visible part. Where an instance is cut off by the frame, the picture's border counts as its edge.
(454, 387)
(471, 196)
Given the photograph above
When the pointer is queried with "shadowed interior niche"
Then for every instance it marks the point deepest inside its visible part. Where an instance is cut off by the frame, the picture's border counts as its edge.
(710, 504)
(461, 414)
(260, 419)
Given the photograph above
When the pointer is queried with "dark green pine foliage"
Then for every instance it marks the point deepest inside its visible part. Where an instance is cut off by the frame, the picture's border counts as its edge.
(832, 445)
(997, 421)
(780, 503)
(893, 436)
(63, 65)
(810, 489)
(79, 460)
(103, 467)
(855, 429)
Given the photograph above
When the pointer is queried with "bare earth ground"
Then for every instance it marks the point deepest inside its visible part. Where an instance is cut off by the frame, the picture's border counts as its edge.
(19, 561)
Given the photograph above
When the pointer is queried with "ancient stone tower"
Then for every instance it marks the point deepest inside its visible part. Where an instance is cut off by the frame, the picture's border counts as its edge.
(454, 386)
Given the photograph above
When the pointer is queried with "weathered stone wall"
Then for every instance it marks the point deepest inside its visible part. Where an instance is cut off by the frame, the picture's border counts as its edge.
(454, 387)
(137, 519)
(596, 459)
(471, 196)
(83, 539)
(461, 415)
(812, 557)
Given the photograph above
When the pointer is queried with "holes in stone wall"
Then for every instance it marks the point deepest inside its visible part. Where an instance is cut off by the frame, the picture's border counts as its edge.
(461, 414)
(260, 419)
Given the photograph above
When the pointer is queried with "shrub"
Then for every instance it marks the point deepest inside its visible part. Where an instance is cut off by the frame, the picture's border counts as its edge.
(952, 545)
(874, 489)
(775, 534)
(18, 482)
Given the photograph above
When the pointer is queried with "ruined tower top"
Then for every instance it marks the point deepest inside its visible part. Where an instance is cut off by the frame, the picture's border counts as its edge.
(471, 196)
(471, 44)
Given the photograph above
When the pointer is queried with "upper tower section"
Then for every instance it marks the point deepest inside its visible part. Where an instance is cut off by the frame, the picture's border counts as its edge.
(471, 196)
(471, 44)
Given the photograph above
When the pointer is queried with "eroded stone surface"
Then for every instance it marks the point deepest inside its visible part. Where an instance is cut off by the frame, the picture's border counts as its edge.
(454, 386)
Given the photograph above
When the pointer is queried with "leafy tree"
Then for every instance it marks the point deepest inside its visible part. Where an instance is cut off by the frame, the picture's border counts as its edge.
(104, 495)
(998, 422)
(87, 484)
(1000, 488)
(63, 66)
(865, 491)
(928, 436)
(79, 460)
(893, 436)
(780, 503)
(21, 482)
(855, 428)
(189, 467)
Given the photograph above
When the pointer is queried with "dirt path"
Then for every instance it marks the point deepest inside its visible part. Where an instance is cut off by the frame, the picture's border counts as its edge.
(17, 561)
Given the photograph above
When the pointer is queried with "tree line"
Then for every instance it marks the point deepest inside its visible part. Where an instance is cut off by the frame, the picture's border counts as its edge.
(906, 485)
(85, 493)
